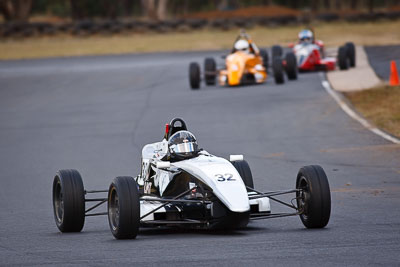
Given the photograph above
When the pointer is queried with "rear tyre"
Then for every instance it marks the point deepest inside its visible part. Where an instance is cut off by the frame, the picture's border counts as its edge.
(343, 58)
(194, 75)
(278, 70)
(243, 169)
(210, 68)
(69, 201)
(265, 57)
(124, 208)
(291, 66)
(314, 200)
(351, 53)
(276, 51)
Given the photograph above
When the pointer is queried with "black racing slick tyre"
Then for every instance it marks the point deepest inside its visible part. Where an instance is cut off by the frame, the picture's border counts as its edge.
(124, 208)
(277, 67)
(291, 66)
(265, 57)
(210, 68)
(243, 169)
(276, 51)
(351, 53)
(69, 201)
(194, 75)
(343, 58)
(314, 196)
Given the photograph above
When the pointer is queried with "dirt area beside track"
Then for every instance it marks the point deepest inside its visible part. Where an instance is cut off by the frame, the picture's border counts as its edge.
(333, 34)
(380, 105)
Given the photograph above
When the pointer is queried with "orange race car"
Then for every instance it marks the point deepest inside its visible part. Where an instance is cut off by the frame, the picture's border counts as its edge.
(246, 64)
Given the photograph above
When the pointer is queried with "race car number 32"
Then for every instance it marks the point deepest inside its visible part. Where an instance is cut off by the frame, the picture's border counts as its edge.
(224, 177)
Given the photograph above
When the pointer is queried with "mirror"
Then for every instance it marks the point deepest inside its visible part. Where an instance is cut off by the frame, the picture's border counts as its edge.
(235, 157)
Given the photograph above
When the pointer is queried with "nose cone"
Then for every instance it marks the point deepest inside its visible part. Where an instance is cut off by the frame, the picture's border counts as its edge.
(235, 66)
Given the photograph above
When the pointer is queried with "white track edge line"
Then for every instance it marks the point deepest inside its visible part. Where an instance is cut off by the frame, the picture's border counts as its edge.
(355, 116)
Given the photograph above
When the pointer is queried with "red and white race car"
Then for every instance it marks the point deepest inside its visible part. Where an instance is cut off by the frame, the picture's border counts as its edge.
(310, 54)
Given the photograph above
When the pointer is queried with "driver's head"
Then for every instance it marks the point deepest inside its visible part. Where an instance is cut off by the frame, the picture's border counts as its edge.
(242, 45)
(182, 145)
(305, 36)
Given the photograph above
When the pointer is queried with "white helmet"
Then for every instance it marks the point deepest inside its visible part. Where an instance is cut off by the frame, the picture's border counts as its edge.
(305, 36)
(242, 45)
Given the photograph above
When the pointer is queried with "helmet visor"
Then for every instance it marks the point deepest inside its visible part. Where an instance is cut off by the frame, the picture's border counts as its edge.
(184, 148)
(182, 144)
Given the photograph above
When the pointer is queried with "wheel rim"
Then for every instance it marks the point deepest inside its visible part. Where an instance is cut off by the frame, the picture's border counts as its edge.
(58, 202)
(303, 197)
(113, 209)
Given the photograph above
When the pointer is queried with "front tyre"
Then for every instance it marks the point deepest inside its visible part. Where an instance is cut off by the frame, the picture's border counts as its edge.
(276, 51)
(69, 201)
(124, 208)
(210, 68)
(351, 53)
(194, 75)
(314, 197)
(343, 58)
(265, 58)
(277, 67)
(291, 66)
(243, 169)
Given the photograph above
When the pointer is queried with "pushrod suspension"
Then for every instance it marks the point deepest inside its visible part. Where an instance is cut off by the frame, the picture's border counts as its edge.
(276, 215)
(176, 200)
(95, 206)
(166, 203)
(95, 191)
(276, 193)
(96, 214)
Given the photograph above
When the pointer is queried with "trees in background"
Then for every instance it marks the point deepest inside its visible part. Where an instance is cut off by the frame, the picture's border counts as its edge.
(15, 10)
(162, 9)
(19, 10)
(83, 9)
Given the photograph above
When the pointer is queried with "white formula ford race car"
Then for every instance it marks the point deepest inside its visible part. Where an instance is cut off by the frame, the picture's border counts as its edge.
(182, 185)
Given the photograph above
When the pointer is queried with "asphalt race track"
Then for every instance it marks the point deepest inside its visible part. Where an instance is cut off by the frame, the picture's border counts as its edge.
(380, 56)
(94, 114)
